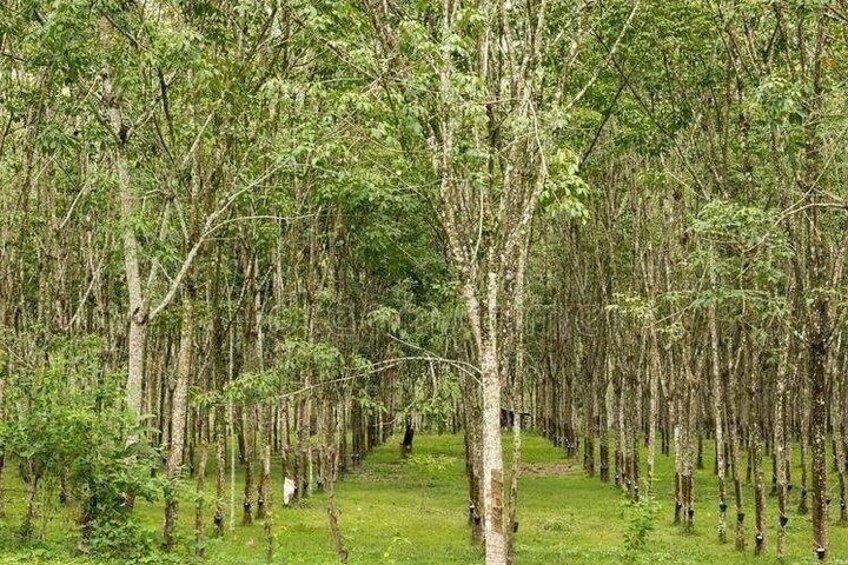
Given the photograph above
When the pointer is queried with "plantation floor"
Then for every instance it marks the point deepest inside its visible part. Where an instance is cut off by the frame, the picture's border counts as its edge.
(395, 510)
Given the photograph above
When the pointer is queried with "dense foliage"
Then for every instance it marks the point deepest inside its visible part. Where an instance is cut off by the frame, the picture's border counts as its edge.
(269, 234)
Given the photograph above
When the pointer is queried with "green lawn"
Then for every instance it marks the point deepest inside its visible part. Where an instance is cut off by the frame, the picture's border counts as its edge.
(414, 511)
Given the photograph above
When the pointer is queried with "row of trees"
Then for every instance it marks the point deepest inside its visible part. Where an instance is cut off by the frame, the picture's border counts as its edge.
(711, 300)
(270, 232)
(201, 257)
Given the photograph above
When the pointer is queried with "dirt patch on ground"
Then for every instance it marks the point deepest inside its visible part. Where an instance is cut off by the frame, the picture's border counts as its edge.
(547, 469)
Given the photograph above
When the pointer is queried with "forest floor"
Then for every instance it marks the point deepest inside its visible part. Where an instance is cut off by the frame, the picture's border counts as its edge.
(413, 510)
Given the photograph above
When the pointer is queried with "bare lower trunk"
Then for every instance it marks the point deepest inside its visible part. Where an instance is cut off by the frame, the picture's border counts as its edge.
(178, 421)
(263, 501)
(2, 486)
(517, 393)
(687, 478)
(198, 497)
(472, 416)
(733, 428)
(27, 527)
(2, 456)
(589, 425)
(759, 486)
(653, 414)
(607, 426)
(512, 523)
(678, 474)
(220, 471)
(493, 468)
(780, 452)
(818, 426)
(232, 442)
(248, 435)
(333, 518)
(622, 477)
(717, 415)
(839, 448)
(803, 501)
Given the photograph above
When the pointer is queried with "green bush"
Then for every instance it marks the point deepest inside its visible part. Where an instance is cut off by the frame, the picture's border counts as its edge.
(642, 520)
(80, 440)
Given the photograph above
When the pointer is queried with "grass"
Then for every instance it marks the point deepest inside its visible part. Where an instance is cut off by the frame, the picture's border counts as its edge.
(395, 510)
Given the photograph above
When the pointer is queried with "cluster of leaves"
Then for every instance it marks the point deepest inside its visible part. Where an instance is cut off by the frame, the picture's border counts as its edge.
(432, 467)
(642, 520)
(632, 305)
(748, 252)
(565, 191)
(323, 361)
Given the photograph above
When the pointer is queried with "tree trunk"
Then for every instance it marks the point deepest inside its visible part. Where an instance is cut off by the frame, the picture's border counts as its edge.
(220, 470)
(473, 460)
(653, 414)
(263, 501)
(179, 406)
(756, 389)
(732, 411)
(779, 450)
(111, 101)
(199, 540)
(717, 409)
(818, 424)
(2, 451)
(492, 454)
(248, 428)
(803, 500)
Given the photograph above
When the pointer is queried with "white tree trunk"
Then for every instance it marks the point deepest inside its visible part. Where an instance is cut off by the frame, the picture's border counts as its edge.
(493, 466)
(111, 101)
(179, 405)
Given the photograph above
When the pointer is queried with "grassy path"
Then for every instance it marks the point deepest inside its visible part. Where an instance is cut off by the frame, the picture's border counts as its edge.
(414, 511)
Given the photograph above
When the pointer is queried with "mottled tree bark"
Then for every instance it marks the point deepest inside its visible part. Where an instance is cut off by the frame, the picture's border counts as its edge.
(199, 500)
(780, 439)
(179, 407)
(717, 398)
